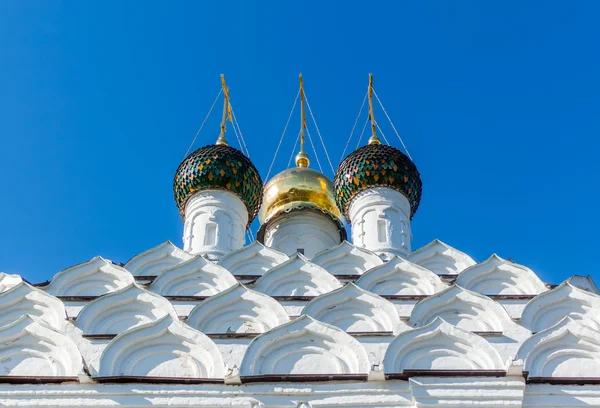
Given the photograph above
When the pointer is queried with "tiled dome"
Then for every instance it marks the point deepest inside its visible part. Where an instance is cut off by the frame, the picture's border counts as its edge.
(376, 165)
(218, 167)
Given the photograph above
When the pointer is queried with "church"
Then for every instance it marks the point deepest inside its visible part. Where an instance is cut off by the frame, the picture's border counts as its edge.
(328, 306)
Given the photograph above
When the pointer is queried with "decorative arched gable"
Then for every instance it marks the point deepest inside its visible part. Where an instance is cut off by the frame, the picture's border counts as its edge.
(29, 348)
(400, 277)
(440, 346)
(548, 308)
(497, 276)
(156, 260)
(122, 310)
(195, 277)
(253, 259)
(304, 346)
(24, 299)
(353, 309)
(441, 258)
(163, 348)
(347, 259)
(8, 281)
(585, 283)
(237, 310)
(296, 277)
(93, 278)
(565, 350)
(464, 309)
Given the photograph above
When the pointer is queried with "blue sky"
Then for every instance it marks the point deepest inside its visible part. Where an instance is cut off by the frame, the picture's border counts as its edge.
(498, 103)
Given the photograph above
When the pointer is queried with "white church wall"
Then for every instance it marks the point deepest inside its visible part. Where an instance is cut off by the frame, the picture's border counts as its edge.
(253, 260)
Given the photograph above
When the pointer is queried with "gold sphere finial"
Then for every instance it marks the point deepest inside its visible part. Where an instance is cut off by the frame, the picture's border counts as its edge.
(374, 140)
(221, 141)
(302, 159)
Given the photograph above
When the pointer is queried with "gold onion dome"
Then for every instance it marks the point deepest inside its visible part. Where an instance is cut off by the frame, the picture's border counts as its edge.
(218, 167)
(299, 188)
(377, 165)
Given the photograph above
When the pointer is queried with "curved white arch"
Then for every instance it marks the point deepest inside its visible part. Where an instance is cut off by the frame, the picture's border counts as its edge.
(353, 309)
(122, 310)
(347, 259)
(464, 309)
(400, 277)
(195, 277)
(564, 350)
(24, 299)
(163, 348)
(237, 310)
(95, 277)
(8, 281)
(253, 259)
(440, 346)
(296, 277)
(497, 276)
(156, 260)
(441, 258)
(304, 346)
(29, 348)
(548, 308)
(585, 283)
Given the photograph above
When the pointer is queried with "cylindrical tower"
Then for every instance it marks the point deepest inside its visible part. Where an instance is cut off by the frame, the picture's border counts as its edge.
(218, 191)
(378, 188)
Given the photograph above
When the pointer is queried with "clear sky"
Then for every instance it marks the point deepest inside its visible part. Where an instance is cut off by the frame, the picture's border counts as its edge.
(498, 103)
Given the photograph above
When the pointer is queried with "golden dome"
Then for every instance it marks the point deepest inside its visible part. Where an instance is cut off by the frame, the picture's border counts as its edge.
(299, 188)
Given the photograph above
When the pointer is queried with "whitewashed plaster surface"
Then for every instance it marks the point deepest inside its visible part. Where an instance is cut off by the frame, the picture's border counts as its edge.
(253, 259)
(347, 259)
(567, 349)
(194, 277)
(550, 307)
(24, 299)
(497, 276)
(124, 309)
(401, 277)
(8, 280)
(305, 346)
(380, 219)
(441, 258)
(296, 277)
(92, 278)
(237, 310)
(310, 231)
(353, 309)
(163, 348)
(156, 260)
(215, 222)
(29, 348)
(440, 346)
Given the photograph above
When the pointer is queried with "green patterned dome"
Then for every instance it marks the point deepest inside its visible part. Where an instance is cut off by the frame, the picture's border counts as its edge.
(376, 165)
(218, 167)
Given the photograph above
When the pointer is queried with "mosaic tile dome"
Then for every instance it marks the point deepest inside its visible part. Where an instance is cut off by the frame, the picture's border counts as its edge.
(218, 167)
(376, 165)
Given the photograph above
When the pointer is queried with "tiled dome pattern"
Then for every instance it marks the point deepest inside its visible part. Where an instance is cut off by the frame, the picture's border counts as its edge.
(377, 166)
(219, 167)
(394, 322)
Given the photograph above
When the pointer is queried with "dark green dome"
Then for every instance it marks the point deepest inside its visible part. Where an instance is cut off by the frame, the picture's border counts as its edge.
(218, 167)
(376, 165)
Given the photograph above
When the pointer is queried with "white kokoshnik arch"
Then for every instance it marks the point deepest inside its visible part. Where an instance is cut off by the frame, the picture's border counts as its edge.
(194, 277)
(237, 310)
(441, 258)
(24, 299)
(296, 277)
(95, 277)
(156, 260)
(124, 309)
(399, 277)
(164, 348)
(305, 347)
(497, 276)
(253, 259)
(347, 259)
